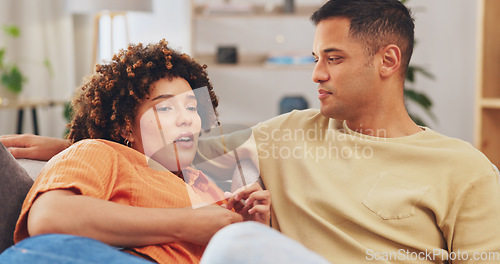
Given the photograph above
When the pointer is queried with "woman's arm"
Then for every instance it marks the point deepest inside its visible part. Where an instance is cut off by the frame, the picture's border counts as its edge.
(63, 211)
(29, 146)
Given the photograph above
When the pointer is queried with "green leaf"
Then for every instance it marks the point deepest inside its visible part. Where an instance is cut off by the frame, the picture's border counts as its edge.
(419, 121)
(68, 111)
(13, 80)
(410, 74)
(12, 30)
(422, 100)
(423, 72)
(2, 56)
(418, 97)
(48, 65)
(68, 115)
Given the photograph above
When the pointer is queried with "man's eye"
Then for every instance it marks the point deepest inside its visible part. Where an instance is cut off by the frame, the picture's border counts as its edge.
(333, 59)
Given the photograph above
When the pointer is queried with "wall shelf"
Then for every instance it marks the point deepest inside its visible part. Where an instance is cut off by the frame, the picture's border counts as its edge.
(250, 62)
(258, 12)
(490, 104)
(487, 131)
(251, 89)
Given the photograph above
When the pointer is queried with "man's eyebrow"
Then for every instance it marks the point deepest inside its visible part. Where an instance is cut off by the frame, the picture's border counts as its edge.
(327, 51)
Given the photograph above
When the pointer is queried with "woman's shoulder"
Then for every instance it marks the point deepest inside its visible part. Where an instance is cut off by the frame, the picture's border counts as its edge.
(93, 148)
(93, 145)
(96, 143)
(108, 149)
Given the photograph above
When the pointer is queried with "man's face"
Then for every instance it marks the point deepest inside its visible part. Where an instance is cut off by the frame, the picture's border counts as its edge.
(345, 74)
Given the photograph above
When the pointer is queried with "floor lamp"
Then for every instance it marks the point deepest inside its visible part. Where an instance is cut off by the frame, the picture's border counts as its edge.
(111, 8)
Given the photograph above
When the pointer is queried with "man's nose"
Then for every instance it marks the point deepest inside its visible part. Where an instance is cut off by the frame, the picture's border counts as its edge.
(320, 73)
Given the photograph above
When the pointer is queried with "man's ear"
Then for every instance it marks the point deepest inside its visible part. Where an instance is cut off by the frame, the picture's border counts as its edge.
(391, 60)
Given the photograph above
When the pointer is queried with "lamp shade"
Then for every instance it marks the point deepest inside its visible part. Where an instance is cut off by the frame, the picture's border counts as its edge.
(93, 6)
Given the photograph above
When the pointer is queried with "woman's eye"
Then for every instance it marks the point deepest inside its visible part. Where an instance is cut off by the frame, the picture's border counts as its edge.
(164, 108)
(192, 108)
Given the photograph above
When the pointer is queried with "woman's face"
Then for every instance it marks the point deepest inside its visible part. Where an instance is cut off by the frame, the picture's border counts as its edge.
(167, 124)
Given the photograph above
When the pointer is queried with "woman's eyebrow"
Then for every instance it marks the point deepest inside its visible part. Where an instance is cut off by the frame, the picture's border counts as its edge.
(163, 96)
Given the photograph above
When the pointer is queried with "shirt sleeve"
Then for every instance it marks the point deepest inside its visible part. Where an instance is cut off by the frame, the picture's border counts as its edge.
(473, 234)
(87, 168)
(218, 156)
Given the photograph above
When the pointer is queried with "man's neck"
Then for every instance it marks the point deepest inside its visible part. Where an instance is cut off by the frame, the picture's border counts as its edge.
(388, 126)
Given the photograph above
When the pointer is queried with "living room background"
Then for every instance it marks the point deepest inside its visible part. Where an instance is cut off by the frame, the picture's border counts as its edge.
(446, 33)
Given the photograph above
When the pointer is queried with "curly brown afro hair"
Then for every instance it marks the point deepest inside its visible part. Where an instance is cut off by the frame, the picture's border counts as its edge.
(109, 100)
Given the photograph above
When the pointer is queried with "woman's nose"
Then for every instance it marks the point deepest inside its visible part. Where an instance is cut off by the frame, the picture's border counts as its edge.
(184, 118)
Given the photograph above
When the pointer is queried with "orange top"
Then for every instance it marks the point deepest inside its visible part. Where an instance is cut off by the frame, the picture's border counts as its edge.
(114, 172)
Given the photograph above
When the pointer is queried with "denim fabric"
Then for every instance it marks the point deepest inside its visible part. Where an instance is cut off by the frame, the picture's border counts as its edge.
(250, 243)
(65, 249)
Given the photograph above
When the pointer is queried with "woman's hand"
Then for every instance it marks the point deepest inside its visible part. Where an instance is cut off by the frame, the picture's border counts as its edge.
(29, 146)
(251, 202)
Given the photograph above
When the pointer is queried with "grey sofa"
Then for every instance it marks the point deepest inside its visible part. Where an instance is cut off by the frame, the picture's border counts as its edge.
(16, 178)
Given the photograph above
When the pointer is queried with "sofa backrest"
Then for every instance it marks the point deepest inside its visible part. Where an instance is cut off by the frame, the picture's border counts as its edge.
(14, 185)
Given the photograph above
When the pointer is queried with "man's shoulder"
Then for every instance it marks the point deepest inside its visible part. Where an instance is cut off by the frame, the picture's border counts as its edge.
(294, 119)
(450, 143)
(459, 153)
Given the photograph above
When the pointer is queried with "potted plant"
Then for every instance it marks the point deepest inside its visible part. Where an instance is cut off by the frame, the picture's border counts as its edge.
(11, 77)
(417, 97)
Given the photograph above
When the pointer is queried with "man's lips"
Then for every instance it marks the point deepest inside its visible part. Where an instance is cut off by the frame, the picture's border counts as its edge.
(322, 93)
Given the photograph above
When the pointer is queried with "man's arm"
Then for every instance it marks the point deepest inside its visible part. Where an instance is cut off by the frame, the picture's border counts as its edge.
(472, 228)
(29, 146)
(220, 155)
(63, 211)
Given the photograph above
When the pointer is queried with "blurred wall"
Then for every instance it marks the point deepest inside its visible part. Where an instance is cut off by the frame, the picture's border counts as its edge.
(446, 46)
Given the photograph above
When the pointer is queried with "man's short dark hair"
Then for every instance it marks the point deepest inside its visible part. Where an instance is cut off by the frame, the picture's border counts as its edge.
(376, 23)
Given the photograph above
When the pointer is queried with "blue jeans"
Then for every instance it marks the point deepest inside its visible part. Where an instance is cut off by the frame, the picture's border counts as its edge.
(66, 249)
(251, 242)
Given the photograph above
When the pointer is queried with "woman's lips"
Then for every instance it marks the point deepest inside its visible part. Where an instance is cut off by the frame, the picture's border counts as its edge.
(185, 140)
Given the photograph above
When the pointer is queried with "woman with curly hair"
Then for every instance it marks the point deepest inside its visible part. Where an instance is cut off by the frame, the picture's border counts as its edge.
(126, 181)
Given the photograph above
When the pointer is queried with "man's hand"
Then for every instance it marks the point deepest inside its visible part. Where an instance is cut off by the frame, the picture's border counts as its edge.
(252, 203)
(29, 146)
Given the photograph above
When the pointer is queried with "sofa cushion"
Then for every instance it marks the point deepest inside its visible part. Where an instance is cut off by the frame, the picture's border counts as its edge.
(14, 185)
(33, 167)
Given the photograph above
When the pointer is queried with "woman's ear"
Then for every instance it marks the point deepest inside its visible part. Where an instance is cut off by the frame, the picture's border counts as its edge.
(127, 135)
(391, 60)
